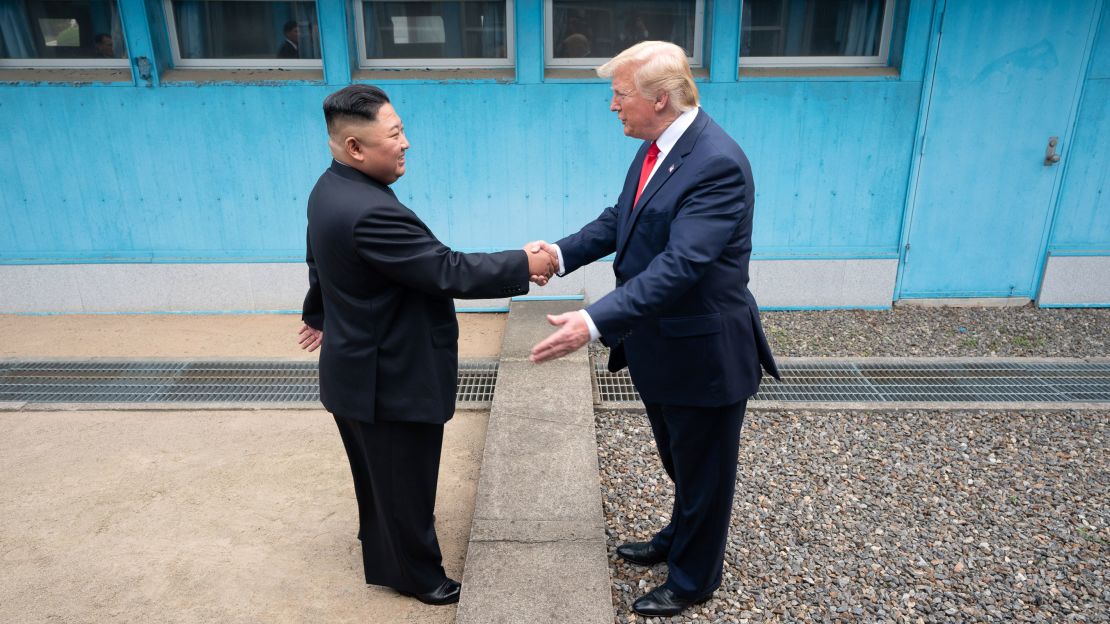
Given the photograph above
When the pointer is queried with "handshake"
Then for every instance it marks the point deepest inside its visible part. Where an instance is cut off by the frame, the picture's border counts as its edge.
(543, 261)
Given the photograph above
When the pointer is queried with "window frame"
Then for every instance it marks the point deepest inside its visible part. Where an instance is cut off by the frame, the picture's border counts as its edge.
(75, 63)
(435, 63)
(228, 63)
(880, 60)
(696, 61)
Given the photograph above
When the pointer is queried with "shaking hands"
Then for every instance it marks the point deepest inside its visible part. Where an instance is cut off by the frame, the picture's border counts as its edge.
(543, 262)
(573, 332)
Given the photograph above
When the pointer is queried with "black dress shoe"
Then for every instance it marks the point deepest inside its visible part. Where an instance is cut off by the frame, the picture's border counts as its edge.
(641, 553)
(447, 593)
(662, 602)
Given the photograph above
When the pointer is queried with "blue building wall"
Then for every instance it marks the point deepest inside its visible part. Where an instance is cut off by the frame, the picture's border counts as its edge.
(218, 171)
(1083, 218)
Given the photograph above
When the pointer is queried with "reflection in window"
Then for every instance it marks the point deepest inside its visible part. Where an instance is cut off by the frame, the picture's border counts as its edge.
(417, 29)
(812, 28)
(602, 29)
(239, 30)
(88, 32)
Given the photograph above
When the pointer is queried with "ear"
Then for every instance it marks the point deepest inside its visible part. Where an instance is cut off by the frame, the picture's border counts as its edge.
(662, 101)
(353, 148)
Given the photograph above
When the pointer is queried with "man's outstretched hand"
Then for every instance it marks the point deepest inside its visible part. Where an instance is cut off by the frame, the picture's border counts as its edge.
(310, 338)
(540, 252)
(572, 335)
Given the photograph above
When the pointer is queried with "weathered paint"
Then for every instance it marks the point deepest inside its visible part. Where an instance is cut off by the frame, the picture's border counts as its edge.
(984, 197)
(223, 171)
(201, 171)
(1083, 216)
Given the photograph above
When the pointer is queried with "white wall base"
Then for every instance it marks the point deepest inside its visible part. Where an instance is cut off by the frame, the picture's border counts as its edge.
(824, 283)
(267, 287)
(1076, 281)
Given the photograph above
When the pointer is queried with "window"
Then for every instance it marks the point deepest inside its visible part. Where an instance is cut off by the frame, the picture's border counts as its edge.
(50, 33)
(802, 33)
(435, 33)
(243, 33)
(583, 33)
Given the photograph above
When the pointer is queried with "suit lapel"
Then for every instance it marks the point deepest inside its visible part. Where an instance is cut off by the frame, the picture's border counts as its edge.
(666, 169)
(630, 181)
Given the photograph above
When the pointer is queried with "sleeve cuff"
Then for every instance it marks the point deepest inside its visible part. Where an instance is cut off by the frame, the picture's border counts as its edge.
(563, 270)
(594, 334)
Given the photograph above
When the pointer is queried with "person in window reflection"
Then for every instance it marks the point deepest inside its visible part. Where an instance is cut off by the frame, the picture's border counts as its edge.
(576, 40)
(289, 48)
(102, 45)
(574, 46)
(380, 306)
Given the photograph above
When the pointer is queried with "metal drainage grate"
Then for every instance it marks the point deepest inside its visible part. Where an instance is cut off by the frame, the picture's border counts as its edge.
(193, 382)
(864, 382)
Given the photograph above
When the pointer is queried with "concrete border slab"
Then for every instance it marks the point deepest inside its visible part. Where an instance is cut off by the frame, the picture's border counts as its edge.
(537, 546)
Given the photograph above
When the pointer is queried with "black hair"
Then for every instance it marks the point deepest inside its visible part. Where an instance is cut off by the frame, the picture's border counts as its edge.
(101, 37)
(356, 102)
(290, 25)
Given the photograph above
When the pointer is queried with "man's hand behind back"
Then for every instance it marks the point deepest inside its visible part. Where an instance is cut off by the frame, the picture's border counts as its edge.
(310, 338)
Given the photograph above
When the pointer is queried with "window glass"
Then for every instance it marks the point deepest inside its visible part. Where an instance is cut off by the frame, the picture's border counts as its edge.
(85, 32)
(418, 29)
(592, 29)
(812, 28)
(243, 30)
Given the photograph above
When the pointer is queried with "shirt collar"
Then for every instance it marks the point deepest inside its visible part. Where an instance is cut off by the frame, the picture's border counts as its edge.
(674, 132)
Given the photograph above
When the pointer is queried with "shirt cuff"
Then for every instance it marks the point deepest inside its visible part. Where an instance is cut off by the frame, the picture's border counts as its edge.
(562, 267)
(594, 334)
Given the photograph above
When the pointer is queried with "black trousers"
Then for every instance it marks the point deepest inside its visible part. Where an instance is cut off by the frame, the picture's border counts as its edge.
(698, 447)
(395, 466)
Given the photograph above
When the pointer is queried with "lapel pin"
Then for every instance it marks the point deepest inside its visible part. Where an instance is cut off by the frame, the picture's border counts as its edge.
(671, 170)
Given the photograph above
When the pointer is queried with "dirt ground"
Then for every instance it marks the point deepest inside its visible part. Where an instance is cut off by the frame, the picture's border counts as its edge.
(261, 336)
(202, 516)
(244, 516)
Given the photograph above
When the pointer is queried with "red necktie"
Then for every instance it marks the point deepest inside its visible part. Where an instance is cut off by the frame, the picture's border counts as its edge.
(645, 170)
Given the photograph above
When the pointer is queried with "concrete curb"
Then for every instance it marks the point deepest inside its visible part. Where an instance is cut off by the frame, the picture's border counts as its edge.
(537, 546)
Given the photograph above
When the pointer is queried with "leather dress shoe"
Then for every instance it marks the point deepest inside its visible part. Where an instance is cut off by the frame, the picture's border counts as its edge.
(447, 593)
(662, 602)
(641, 553)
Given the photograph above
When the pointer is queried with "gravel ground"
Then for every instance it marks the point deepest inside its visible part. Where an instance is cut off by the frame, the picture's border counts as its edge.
(934, 332)
(888, 516)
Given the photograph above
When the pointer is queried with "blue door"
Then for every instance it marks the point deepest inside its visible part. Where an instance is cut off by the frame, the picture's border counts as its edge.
(1005, 80)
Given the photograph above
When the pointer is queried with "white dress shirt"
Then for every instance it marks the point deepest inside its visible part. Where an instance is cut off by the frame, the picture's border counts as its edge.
(665, 143)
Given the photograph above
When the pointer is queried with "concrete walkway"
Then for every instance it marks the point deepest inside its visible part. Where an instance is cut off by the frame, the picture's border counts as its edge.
(537, 545)
(240, 516)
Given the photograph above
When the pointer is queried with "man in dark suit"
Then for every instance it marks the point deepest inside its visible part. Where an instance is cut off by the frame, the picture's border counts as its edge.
(289, 48)
(681, 316)
(380, 304)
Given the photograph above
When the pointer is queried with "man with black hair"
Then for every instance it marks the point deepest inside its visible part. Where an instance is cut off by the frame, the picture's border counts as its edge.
(380, 302)
(289, 48)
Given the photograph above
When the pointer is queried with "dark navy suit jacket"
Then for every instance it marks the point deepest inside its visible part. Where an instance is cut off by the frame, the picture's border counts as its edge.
(681, 316)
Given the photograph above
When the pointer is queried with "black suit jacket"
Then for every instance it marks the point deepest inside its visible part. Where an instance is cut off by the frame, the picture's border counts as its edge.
(381, 287)
(288, 51)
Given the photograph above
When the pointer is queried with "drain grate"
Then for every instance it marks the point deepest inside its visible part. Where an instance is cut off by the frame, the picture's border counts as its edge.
(942, 382)
(193, 382)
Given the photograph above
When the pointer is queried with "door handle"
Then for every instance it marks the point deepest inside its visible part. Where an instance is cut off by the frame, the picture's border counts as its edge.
(1050, 155)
